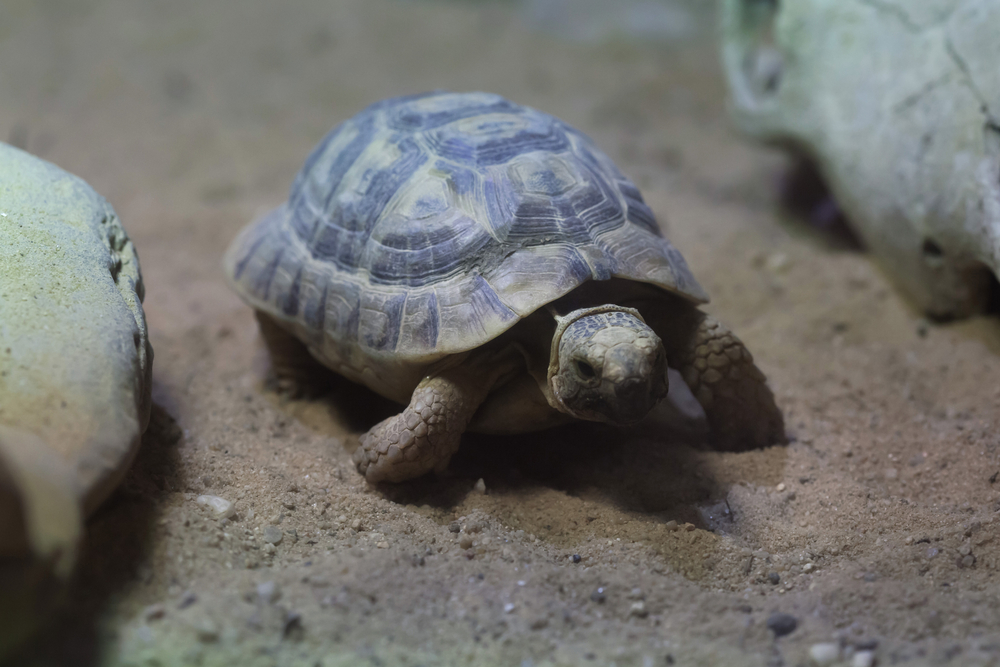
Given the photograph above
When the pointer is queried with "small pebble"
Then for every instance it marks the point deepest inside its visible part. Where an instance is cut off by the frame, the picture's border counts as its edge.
(293, 626)
(598, 596)
(509, 607)
(782, 624)
(824, 655)
(778, 262)
(465, 542)
(638, 609)
(479, 486)
(576, 558)
(636, 594)
(780, 487)
(188, 599)
(222, 507)
(154, 612)
(207, 631)
(268, 592)
(863, 659)
(454, 527)
(774, 578)
(356, 524)
(273, 535)
(539, 623)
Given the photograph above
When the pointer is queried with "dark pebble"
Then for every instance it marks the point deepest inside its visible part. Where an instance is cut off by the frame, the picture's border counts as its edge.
(774, 578)
(188, 599)
(454, 527)
(782, 624)
(293, 629)
(576, 558)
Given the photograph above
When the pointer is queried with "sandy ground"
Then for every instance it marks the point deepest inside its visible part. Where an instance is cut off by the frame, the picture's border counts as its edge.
(876, 528)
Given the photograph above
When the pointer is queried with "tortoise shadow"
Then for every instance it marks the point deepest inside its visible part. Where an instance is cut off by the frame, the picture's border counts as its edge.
(118, 539)
(654, 468)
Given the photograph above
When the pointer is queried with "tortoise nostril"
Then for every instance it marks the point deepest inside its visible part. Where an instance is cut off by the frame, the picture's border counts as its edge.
(586, 370)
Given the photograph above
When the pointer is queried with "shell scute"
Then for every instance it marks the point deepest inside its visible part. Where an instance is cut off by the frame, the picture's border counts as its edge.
(495, 139)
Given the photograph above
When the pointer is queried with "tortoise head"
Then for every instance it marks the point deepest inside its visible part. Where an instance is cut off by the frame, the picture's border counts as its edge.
(606, 365)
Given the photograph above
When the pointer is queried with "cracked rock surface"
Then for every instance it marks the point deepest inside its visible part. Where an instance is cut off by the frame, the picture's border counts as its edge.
(899, 105)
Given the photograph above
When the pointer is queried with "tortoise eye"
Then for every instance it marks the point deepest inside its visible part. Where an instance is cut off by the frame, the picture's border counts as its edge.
(586, 370)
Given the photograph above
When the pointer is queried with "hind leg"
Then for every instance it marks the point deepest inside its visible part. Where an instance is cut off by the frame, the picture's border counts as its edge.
(294, 372)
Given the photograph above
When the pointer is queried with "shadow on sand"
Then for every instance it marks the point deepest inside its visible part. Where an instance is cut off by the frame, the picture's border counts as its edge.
(118, 538)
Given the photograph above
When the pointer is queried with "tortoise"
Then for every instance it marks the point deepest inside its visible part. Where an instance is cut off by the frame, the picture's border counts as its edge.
(484, 264)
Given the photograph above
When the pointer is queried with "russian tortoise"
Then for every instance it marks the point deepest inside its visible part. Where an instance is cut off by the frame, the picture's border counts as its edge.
(486, 265)
(75, 360)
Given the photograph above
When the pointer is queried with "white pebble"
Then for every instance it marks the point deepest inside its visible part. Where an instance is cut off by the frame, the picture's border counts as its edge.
(221, 506)
(824, 655)
(268, 592)
(638, 609)
(509, 607)
(863, 659)
(780, 487)
(779, 262)
(479, 486)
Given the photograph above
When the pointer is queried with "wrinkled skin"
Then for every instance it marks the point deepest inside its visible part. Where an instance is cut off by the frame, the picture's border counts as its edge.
(609, 367)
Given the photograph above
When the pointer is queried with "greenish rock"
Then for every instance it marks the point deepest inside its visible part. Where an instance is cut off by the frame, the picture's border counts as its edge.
(898, 102)
(75, 365)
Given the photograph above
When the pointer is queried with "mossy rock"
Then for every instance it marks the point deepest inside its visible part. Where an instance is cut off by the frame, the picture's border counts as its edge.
(75, 365)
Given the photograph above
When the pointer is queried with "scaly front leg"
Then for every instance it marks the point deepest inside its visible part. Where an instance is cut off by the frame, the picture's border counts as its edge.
(427, 433)
(721, 374)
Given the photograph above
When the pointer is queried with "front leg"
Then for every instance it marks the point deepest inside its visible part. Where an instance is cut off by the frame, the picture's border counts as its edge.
(721, 374)
(427, 433)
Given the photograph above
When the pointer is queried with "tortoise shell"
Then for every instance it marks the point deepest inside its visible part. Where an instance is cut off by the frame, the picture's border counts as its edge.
(430, 224)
